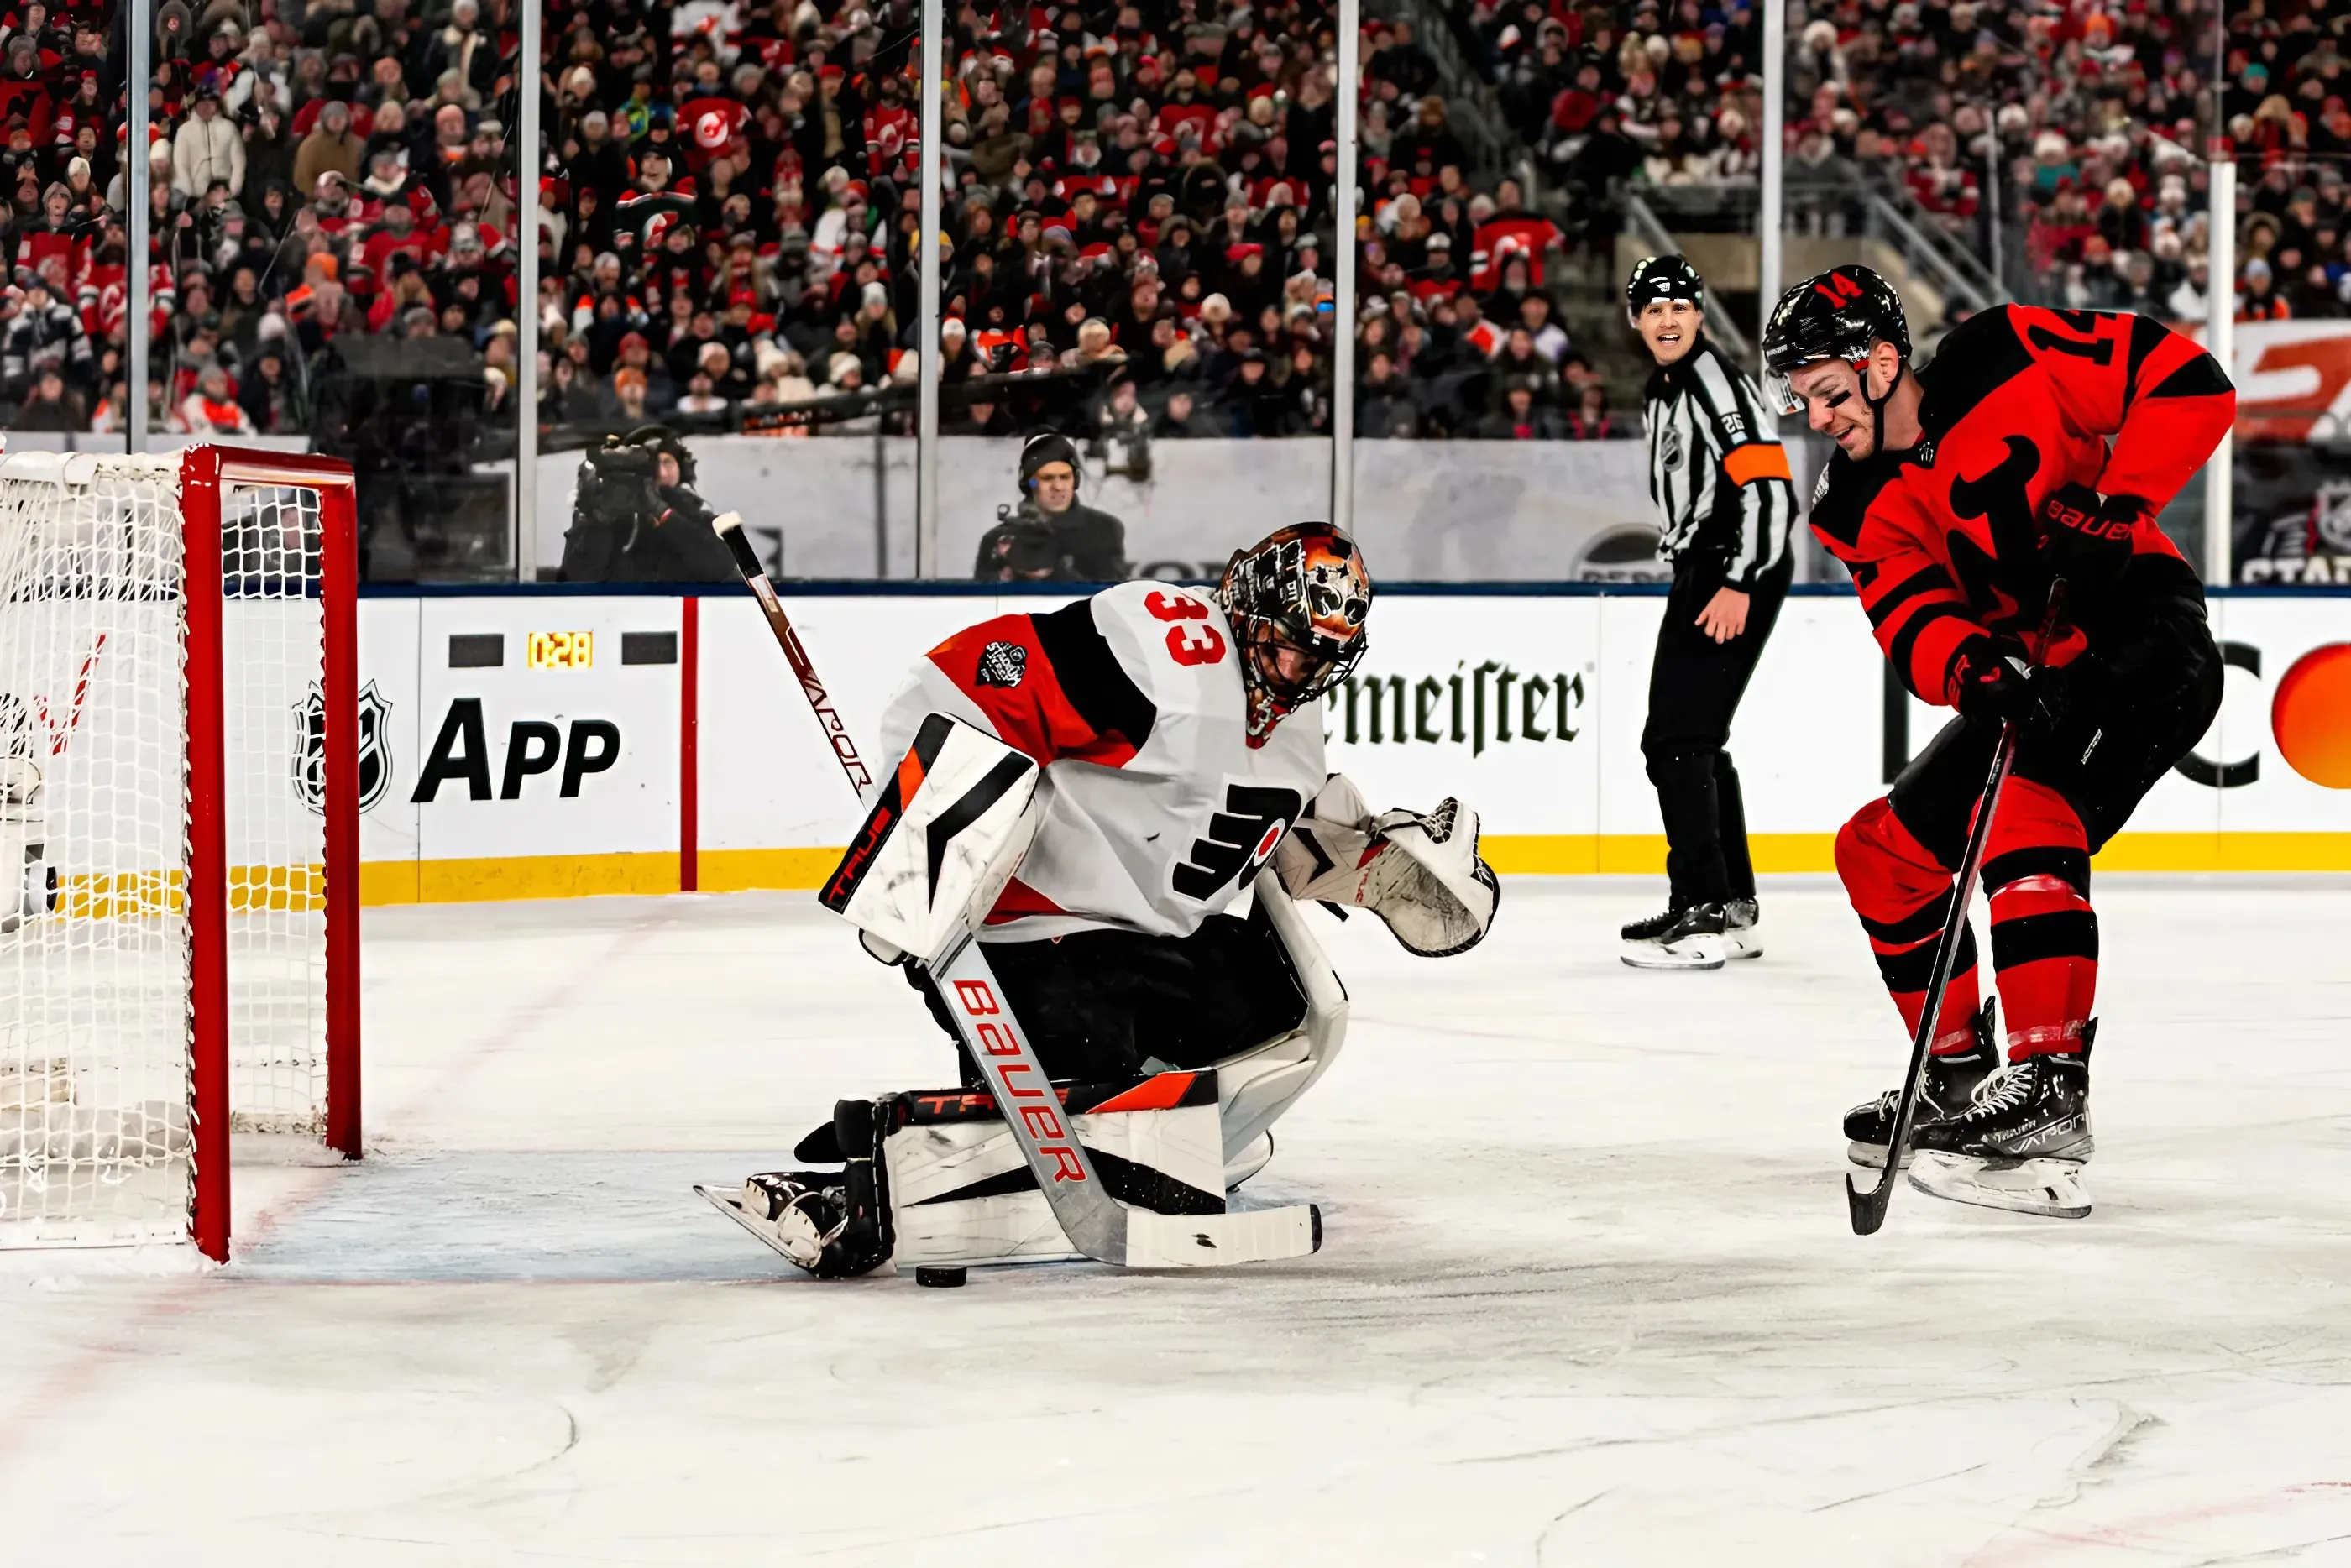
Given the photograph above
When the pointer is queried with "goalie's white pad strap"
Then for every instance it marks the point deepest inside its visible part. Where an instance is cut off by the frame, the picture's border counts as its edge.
(945, 834)
(1418, 872)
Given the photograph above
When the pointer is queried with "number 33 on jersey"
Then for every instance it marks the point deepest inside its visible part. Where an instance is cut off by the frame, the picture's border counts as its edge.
(1157, 811)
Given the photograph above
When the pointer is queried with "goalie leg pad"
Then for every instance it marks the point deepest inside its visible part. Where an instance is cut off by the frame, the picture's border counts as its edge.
(960, 1193)
(1257, 1084)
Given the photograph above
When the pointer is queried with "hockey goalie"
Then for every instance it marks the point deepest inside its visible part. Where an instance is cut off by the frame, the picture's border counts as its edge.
(1104, 819)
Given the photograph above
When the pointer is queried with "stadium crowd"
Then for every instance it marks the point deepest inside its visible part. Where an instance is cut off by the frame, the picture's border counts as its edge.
(2070, 138)
(729, 218)
(1140, 190)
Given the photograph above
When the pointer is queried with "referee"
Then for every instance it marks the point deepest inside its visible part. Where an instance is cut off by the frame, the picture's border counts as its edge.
(1726, 503)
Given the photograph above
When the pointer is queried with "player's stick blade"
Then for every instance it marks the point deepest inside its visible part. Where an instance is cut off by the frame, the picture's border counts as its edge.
(1220, 1241)
(2050, 1188)
(1868, 1208)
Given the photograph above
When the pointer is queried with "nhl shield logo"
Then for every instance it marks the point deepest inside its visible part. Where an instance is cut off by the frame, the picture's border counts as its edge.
(310, 748)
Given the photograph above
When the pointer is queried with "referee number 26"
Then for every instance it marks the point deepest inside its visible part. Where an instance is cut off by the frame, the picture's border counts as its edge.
(1186, 644)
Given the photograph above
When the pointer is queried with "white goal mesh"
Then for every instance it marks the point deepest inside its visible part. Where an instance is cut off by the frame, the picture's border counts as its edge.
(97, 945)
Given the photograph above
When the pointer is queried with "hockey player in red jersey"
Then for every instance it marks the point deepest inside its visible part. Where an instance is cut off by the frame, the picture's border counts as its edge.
(1179, 737)
(2037, 449)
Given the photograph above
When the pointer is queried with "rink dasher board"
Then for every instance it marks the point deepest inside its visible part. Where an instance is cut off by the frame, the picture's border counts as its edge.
(1529, 705)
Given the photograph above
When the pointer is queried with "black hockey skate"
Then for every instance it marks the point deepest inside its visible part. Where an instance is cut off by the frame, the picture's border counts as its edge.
(1945, 1091)
(807, 1216)
(1743, 928)
(2021, 1142)
(833, 1224)
(1690, 937)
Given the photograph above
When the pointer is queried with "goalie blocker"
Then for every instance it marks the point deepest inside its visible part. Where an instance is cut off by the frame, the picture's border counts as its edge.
(1134, 1171)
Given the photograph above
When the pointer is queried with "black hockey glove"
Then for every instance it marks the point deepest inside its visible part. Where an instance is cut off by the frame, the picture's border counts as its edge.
(1998, 686)
(2086, 539)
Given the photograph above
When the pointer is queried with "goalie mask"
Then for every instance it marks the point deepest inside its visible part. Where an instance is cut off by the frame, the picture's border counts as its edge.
(1296, 600)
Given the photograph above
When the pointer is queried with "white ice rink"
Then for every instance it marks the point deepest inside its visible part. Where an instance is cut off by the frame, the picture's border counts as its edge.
(1589, 1295)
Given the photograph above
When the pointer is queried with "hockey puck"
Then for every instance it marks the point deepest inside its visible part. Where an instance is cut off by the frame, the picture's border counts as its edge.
(940, 1279)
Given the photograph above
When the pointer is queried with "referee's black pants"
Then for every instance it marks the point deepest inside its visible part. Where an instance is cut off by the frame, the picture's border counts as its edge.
(1693, 688)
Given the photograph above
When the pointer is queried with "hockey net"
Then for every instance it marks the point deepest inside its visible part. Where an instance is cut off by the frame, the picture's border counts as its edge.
(178, 834)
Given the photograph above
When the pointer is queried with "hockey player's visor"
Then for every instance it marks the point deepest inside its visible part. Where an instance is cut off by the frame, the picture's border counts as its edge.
(1781, 388)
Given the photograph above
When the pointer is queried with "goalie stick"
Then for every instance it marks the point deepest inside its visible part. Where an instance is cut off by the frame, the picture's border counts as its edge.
(1868, 1208)
(1097, 1224)
(730, 526)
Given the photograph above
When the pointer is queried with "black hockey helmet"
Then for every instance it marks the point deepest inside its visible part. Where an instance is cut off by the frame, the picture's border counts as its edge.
(1303, 587)
(1041, 449)
(1838, 315)
(1662, 278)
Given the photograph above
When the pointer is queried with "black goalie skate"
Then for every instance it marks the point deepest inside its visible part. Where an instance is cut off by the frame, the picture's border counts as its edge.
(1689, 938)
(1945, 1091)
(2021, 1142)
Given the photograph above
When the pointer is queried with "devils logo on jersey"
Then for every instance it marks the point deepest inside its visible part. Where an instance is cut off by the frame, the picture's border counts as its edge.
(310, 748)
(2001, 497)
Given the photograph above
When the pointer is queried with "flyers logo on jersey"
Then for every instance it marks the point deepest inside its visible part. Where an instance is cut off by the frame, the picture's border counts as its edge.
(1241, 837)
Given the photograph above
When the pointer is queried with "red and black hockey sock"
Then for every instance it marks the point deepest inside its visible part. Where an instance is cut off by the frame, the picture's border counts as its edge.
(1903, 896)
(2045, 935)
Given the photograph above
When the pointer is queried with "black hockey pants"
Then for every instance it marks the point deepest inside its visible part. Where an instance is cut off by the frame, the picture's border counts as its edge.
(1097, 1005)
(1695, 685)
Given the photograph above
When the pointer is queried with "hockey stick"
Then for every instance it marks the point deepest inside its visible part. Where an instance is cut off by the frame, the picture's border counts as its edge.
(1096, 1224)
(1868, 1208)
(730, 526)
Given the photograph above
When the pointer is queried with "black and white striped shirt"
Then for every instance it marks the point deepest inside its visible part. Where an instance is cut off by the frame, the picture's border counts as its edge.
(1726, 501)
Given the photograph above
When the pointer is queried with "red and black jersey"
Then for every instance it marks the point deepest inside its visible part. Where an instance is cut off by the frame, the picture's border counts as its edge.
(1942, 539)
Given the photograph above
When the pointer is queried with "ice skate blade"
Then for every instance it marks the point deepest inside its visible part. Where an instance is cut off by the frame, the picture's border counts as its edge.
(2050, 1188)
(1872, 1155)
(728, 1202)
(1690, 952)
(1743, 944)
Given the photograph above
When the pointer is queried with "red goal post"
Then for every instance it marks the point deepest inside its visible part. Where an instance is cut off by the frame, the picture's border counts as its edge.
(180, 780)
(208, 476)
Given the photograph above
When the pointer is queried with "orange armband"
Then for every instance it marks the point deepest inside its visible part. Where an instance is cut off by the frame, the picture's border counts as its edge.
(1757, 460)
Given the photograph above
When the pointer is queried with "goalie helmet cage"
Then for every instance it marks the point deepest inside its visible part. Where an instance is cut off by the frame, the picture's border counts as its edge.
(180, 754)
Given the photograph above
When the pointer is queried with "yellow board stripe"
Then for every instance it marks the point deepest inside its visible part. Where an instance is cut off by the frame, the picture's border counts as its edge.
(1537, 854)
(136, 894)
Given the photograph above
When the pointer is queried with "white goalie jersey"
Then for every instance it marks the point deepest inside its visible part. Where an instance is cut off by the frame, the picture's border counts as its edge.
(1156, 811)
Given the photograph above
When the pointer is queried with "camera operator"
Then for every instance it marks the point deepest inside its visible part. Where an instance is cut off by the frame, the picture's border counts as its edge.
(1048, 536)
(636, 518)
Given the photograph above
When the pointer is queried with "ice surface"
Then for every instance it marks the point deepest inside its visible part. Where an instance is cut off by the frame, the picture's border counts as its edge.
(1588, 1294)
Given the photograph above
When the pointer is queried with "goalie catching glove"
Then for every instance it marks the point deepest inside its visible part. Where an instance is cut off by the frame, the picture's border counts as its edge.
(1418, 871)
